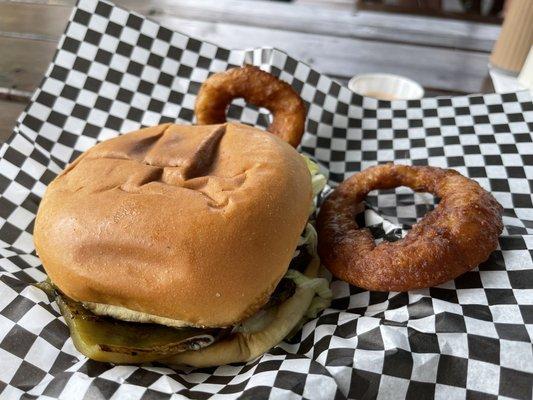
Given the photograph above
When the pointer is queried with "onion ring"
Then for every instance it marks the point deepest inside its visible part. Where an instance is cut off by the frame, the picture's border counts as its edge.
(258, 88)
(455, 237)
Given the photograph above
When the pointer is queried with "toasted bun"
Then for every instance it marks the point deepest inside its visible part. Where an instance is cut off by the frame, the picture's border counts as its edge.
(193, 223)
(237, 347)
(244, 347)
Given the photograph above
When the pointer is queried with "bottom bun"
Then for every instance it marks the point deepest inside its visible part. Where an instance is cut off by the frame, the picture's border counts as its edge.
(244, 347)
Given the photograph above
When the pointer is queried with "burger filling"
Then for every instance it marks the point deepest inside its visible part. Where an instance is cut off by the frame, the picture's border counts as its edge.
(118, 330)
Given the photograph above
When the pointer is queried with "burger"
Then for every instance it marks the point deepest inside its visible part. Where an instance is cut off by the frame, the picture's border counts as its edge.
(183, 244)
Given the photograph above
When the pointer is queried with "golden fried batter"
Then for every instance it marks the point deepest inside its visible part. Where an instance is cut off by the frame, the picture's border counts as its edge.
(258, 88)
(455, 237)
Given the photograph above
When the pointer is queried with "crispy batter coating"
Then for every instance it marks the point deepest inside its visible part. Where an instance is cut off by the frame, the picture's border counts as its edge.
(455, 237)
(258, 88)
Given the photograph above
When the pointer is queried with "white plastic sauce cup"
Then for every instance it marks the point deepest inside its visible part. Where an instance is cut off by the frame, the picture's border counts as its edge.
(386, 87)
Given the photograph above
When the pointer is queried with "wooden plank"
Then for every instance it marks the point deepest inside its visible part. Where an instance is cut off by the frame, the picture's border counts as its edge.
(9, 112)
(41, 21)
(347, 5)
(312, 19)
(438, 32)
(442, 68)
(446, 69)
(24, 62)
(445, 12)
(305, 18)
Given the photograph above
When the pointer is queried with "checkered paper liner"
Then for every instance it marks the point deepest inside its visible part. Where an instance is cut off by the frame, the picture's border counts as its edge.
(116, 71)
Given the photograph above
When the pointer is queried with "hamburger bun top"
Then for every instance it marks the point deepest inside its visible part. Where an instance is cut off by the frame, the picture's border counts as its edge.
(192, 223)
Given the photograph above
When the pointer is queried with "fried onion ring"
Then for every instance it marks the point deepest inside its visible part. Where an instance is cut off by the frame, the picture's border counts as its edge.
(258, 88)
(455, 237)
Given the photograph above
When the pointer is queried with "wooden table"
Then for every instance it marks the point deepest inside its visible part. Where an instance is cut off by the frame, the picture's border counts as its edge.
(445, 56)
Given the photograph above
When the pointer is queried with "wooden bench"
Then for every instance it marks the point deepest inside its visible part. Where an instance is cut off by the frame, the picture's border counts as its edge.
(445, 56)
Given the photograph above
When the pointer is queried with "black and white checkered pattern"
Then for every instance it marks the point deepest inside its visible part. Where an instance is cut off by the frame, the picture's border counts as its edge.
(116, 71)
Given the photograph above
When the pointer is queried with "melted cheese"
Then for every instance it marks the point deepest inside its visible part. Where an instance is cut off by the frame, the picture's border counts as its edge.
(125, 314)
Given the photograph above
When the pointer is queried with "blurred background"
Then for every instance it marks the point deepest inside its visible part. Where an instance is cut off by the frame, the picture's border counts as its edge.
(477, 10)
(441, 47)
